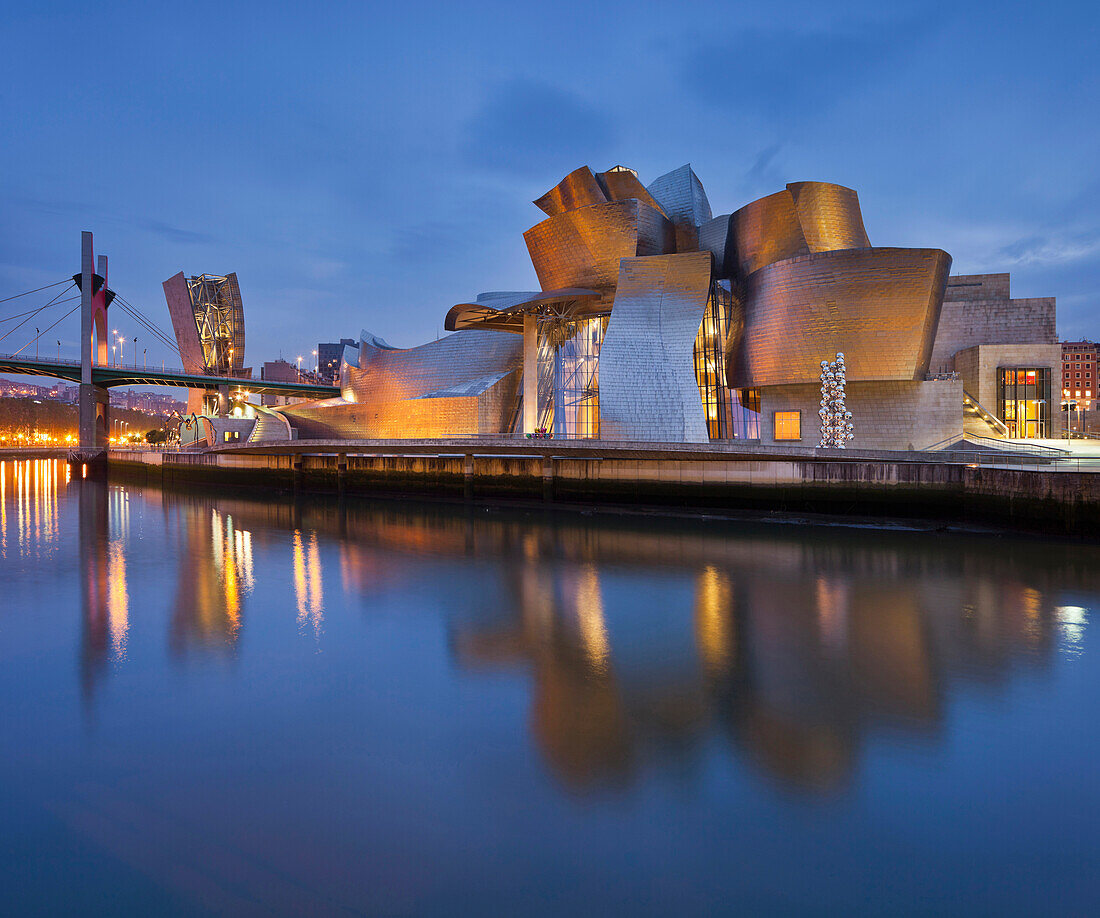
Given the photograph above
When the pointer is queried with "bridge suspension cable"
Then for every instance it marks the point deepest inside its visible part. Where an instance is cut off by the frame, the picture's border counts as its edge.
(36, 290)
(41, 333)
(56, 301)
(146, 322)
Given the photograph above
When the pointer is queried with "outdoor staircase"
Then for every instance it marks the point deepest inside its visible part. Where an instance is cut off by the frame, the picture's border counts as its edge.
(978, 422)
(270, 425)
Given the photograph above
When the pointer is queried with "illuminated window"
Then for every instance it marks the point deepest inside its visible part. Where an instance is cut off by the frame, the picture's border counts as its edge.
(1024, 400)
(788, 425)
(232, 435)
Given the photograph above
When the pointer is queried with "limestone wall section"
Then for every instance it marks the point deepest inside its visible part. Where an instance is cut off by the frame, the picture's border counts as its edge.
(894, 415)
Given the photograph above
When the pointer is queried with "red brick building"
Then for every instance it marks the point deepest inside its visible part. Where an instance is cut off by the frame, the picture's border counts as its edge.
(1079, 369)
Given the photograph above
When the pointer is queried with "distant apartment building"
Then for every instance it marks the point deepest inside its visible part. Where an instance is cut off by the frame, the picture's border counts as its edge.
(279, 371)
(1079, 382)
(328, 358)
(1079, 367)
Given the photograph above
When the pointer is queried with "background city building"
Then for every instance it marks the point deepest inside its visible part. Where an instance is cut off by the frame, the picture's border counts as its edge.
(329, 356)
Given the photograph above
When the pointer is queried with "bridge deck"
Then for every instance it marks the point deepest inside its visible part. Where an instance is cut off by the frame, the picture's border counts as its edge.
(126, 375)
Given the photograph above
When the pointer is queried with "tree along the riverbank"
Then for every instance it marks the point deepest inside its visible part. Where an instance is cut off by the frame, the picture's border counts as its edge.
(25, 419)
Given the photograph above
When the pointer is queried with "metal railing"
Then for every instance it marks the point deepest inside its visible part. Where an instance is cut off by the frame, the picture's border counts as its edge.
(988, 416)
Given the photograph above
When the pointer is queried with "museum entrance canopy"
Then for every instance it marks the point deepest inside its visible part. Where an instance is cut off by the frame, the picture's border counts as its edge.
(505, 312)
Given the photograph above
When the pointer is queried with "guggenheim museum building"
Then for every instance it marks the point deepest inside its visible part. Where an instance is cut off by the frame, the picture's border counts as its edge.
(658, 321)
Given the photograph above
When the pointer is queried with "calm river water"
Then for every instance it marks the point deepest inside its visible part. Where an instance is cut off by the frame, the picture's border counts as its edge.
(252, 705)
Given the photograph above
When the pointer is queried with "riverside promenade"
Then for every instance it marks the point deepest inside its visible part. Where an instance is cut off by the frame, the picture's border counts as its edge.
(1026, 490)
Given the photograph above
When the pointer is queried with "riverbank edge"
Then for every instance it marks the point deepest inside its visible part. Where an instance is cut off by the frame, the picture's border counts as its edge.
(1025, 500)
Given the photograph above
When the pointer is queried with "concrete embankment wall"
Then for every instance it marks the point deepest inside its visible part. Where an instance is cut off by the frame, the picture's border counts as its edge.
(1038, 500)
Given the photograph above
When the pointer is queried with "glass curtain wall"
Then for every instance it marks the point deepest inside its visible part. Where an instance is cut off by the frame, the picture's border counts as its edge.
(1023, 399)
(731, 415)
(709, 355)
(745, 409)
(569, 378)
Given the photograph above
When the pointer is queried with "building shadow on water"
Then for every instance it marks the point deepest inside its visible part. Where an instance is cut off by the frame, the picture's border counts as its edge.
(653, 642)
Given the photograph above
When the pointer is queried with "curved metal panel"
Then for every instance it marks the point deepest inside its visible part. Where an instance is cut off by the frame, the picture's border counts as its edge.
(622, 185)
(681, 195)
(766, 231)
(504, 311)
(464, 383)
(648, 389)
(829, 215)
(578, 189)
(389, 374)
(178, 296)
(582, 248)
(879, 307)
(714, 237)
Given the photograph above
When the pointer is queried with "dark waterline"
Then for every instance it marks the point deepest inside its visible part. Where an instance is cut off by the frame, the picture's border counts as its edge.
(249, 705)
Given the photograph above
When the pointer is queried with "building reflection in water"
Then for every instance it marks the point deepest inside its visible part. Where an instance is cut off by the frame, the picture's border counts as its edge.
(215, 575)
(103, 529)
(307, 583)
(31, 493)
(796, 649)
(29, 524)
(652, 644)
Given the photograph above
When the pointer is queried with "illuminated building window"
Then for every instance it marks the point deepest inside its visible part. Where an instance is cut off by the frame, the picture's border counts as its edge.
(710, 359)
(788, 425)
(1023, 400)
(232, 435)
(568, 376)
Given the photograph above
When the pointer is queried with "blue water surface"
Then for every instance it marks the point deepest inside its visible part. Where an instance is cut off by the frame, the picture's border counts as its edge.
(251, 705)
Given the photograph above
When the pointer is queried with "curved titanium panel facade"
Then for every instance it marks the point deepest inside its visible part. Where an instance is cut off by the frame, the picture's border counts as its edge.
(461, 384)
(767, 231)
(648, 389)
(622, 185)
(681, 195)
(578, 189)
(829, 215)
(389, 374)
(582, 248)
(714, 238)
(879, 307)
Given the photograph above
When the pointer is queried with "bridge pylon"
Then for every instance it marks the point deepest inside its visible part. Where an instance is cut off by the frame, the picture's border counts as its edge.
(95, 400)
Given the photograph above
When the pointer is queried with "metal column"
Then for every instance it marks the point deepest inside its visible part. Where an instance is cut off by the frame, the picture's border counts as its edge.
(530, 374)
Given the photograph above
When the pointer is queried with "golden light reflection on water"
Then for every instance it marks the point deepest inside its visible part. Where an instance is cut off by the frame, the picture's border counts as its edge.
(590, 618)
(307, 583)
(29, 505)
(714, 618)
(118, 600)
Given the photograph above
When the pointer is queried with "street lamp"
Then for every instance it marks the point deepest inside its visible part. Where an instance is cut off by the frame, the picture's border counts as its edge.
(299, 368)
(135, 350)
(316, 365)
(37, 333)
(59, 352)
(121, 341)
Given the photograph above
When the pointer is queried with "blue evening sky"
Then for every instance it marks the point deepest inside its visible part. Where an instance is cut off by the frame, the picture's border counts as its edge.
(366, 165)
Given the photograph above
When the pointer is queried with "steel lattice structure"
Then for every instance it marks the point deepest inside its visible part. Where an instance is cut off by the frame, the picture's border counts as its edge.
(219, 319)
